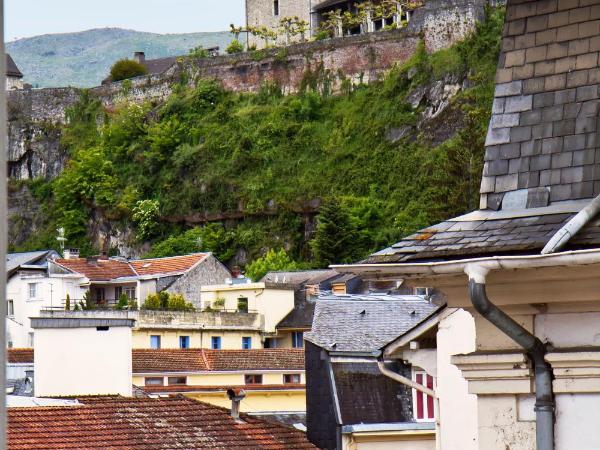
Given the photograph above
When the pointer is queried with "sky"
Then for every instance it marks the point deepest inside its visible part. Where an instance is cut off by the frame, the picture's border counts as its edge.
(25, 18)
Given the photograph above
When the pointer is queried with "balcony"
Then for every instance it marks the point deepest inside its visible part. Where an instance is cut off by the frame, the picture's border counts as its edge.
(108, 304)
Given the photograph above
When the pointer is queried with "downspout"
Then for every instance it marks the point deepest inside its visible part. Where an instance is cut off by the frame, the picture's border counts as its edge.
(419, 387)
(536, 350)
(581, 219)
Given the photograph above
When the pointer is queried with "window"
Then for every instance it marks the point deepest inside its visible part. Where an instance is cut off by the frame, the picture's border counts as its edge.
(130, 293)
(10, 308)
(155, 341)
(270, 343)
(243, 305)
(246, 343)
(297, 339)
(253, 379)
(99, 295)
(423, 404)
(30, 339)
(118, 292)
(184, 342)
(154, 381)
(275, 7)
(291, 378)
(215, 342)
(32, 290)
(177, 381)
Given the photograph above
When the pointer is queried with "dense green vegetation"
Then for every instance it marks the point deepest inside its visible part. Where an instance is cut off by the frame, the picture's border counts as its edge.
(211, 153)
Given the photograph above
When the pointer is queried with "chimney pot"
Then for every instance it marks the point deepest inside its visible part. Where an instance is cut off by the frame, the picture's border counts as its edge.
(139, 57)
(236, 395)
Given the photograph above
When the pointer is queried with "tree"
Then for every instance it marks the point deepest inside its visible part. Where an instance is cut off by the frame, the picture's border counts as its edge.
(127, 68)
(123, 301)
(145, 214)
(273, 260)
(335, 237)
(68, 303)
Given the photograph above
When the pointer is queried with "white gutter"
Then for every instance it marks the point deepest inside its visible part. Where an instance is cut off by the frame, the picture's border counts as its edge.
(457, 267)
(581, 219)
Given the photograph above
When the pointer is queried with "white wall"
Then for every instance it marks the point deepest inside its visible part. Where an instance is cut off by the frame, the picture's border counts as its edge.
(458, 408)
(82, 361)
(577, 419)
(51, 291)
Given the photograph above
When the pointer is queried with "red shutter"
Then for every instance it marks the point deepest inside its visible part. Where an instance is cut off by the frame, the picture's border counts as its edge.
(430, 407)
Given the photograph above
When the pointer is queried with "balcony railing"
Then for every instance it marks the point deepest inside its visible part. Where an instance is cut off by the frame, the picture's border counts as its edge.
(108, 304)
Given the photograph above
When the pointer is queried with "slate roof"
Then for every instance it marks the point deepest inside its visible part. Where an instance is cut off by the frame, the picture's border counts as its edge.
(11, 68)
(300, 277)
(159, 65)
(488, 233)
(366, 323)
(19, 355)
(110, 269)
(15, 260)
(200, 360)
(144, 424)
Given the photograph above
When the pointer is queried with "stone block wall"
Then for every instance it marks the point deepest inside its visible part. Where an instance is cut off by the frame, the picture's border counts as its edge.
(262, 13)
(543, 145)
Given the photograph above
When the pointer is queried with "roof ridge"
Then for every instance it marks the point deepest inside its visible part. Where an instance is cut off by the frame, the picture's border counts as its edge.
(205, 359)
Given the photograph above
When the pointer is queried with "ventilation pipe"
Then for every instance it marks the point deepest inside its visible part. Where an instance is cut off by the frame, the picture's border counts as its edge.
(581, 219)
(536, 350)
(236, 395)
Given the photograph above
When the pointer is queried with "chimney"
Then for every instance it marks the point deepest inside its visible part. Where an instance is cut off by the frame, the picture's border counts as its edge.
(236, 395)
(103, 255)
(139, 57)
(236, 272)
(71, 253)
(92, 260)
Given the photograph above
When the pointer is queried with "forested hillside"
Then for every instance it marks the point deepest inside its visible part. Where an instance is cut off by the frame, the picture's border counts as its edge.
(83, 59)
(328, 178)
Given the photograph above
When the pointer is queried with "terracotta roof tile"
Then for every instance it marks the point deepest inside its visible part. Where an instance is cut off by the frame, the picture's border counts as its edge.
(100, 270)
(144, 424)
(109, 269)
(19, 355)
(198, 360)
(173, 264)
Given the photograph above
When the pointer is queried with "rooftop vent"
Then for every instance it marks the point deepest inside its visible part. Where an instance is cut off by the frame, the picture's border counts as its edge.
(139, 57)
(236, 395)
(71, 253)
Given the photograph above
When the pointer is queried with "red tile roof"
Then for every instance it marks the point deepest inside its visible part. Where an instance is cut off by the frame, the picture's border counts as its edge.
(109, 269)
(246, 387)
(199, 360)
(100, 270)
(19, 355)
(144, 424)
(171, 264)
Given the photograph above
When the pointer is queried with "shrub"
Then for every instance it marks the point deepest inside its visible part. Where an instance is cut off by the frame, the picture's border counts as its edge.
(198, 52)
(164, 300)
(273, 260)
(127, 68)
(68, 303)
(235, 47)
(177, 302)
(123, 302)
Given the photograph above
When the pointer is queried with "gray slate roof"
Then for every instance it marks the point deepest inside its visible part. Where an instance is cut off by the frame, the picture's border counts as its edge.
(489, 233)
(15, 260)
(366, 323)
(11, 68)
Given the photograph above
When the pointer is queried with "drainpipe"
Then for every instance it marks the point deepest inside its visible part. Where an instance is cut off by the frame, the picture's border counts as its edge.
(424, 389)
(536, 350)
(581, 219)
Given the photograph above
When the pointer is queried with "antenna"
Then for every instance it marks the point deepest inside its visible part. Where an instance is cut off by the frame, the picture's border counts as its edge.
(61, 238)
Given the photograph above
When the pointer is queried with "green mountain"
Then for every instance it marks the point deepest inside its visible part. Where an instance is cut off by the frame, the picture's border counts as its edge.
(83, 59)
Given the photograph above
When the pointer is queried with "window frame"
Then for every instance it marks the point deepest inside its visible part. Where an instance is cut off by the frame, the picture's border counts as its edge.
(184, 383)
(157, 379)
(295, 342)
(257, 378)
(246, 340)
(187, 340)
(276, 8)
(428, 401)
(242, 305)
(35, 291)
(292, 375)
(158, 340)
(10, 307)
(217, 340)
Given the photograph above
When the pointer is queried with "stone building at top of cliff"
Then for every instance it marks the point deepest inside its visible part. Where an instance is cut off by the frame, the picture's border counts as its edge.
(14, 77)
(269, 13)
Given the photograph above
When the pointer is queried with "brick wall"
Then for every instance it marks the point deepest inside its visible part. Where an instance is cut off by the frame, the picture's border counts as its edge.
(542, 145)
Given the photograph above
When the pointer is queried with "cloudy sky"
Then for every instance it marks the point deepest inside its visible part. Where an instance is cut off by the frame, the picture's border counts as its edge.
(26, 18)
